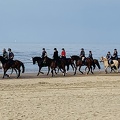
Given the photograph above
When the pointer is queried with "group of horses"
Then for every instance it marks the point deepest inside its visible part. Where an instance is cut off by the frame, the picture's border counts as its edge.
(59, 65)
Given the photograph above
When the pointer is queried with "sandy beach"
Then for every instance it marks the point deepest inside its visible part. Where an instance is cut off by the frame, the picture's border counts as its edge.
(80, 97)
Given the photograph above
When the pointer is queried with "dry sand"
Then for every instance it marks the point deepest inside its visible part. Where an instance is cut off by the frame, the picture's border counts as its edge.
(80, 97)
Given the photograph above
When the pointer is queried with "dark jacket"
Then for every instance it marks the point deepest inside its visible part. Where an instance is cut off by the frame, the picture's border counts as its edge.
(11, 55)
(55, 55)
(44, 53)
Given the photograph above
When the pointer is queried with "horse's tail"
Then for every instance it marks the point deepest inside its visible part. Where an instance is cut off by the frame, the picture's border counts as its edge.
(98, 64)
(23, 67)
(93, 64)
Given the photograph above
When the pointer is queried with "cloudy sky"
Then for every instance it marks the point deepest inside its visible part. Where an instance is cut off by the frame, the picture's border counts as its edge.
(60, 21)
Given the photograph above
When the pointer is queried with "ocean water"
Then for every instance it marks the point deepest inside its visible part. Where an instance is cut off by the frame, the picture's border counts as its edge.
(25, 51)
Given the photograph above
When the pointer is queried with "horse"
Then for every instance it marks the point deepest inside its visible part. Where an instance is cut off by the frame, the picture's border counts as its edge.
(88, 62)
(16, 64)
(68, 61)
(117, 59)
(114, 66)
(96, 62)
(40, 63)
(75, 58)
(54, 64)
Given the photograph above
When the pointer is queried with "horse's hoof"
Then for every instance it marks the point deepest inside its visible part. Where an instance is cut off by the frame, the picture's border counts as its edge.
(8, 76)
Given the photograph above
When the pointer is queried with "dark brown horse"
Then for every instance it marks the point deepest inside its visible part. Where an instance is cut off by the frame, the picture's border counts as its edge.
(60, 64)
(96, 62)
(88, 62)
(41, 64)
(14, 64)
(68, 62)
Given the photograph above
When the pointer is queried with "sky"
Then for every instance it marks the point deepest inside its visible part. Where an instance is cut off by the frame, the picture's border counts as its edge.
(60, 21)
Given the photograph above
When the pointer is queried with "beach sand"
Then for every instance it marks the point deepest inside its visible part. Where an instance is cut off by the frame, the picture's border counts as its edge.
(80, 97)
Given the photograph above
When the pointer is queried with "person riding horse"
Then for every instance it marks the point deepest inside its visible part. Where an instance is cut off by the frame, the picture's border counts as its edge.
(90, 55)
(115, 54)
(63, 54)
(55, 55)
(82, 56)
(108, 56)
(10, 56)
(5, 54)
(44, 53)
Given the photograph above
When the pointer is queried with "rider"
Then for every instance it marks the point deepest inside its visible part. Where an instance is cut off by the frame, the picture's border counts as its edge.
(115, 54)
(108, 56)
(90, 55)
(10, 56)
(63, 53)
(55, 55)
(5, 54)
(82, 55)
(44, 53)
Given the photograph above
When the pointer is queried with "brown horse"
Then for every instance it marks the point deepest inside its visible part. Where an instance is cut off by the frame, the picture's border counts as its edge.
(14, 64)
(55, 64)
(68, 62)
(88, 62)
(96, 62)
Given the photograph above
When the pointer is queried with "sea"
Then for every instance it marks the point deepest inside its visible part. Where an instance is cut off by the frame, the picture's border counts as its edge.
(25, 51)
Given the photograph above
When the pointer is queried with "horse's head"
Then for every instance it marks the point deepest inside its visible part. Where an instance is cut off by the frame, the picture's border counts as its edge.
(34, 60)
(102, 59)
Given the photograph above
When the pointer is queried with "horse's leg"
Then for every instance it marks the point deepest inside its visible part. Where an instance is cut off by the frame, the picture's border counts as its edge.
(73, 66)
(11, 71)
(18, 73)
(88, 70)
(67, 67)
(75, 70)
(39, 71)
(64, 70)
(15, 70)
(106, 70)
(85, 68)
(116, 68)
(80, 70)
(4, 74)
(91, 69)
(48, 70)
(55, 71)
(52, 72)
